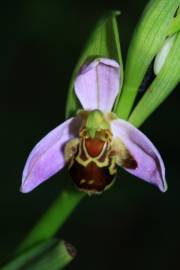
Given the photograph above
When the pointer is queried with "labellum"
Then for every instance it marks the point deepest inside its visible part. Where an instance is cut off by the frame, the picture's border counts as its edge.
(93, 157)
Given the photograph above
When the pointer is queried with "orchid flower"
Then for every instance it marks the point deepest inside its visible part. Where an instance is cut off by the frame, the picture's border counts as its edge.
(95, 142)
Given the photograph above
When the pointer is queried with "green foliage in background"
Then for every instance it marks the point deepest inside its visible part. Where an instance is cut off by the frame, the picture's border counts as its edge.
(147, 40)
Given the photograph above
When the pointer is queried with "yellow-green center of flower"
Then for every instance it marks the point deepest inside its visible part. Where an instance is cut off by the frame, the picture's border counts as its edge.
(93, 157)
(96, 122)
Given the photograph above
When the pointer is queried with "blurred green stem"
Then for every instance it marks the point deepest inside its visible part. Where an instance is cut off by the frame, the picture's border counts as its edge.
(51, 254)
(54, 218)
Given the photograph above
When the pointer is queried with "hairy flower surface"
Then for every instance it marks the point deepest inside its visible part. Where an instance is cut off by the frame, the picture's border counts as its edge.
(95, 142)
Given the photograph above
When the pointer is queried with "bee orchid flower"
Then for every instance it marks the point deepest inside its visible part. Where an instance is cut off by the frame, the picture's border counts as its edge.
(95, 142)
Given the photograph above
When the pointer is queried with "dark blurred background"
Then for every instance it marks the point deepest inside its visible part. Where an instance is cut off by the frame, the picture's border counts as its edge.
(130, 226)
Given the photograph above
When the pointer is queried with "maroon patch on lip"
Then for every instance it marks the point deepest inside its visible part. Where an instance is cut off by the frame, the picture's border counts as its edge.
(91, 177)
(94, 146)
(130, 163)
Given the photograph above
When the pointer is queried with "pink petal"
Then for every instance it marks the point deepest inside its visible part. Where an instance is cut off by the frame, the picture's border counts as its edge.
(47, 157)
(150, 166)
(97, 84)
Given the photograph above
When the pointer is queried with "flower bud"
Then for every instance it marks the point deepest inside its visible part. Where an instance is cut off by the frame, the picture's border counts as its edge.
(163, 53)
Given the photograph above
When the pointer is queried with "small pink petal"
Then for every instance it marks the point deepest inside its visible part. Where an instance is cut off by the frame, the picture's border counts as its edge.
(150, 166)
(97, 84)
(47, 157)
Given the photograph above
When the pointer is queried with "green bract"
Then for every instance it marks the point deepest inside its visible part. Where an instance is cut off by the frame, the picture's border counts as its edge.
(148, 38)
(104, 42)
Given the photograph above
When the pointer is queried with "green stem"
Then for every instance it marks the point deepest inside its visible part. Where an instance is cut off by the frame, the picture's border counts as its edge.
(54, 218)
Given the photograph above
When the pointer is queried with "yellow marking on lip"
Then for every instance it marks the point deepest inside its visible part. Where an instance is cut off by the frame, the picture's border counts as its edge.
(90, 182)
(82, 181)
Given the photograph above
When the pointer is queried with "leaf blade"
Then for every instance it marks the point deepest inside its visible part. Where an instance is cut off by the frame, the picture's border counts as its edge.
(161, 87)
(147, 40)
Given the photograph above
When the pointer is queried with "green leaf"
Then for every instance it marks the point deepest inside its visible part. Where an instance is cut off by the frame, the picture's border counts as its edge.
(161, 87)
(52, 254)
(147, 40)
(104, 42)
(175, 25)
